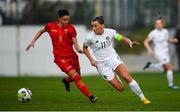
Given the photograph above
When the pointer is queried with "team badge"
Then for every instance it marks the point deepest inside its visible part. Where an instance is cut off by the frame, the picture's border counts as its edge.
(107, 38)
(66, 30)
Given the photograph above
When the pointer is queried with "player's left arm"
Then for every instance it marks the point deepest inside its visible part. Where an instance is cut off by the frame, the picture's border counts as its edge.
(173, 40)
(120, 37)
(76, 45)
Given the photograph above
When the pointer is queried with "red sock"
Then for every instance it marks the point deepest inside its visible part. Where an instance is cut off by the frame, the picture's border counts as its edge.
(81, 86)
(68, 79)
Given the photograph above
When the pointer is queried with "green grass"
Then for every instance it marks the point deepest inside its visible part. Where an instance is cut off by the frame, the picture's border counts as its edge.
(49, 94)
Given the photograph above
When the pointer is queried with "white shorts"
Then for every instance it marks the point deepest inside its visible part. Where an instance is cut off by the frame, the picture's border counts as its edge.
(163, 58)
(106, 68)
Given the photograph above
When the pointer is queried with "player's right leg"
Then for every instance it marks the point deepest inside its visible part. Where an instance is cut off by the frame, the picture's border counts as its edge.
(157, 66)
(169, 74)
(121, 70)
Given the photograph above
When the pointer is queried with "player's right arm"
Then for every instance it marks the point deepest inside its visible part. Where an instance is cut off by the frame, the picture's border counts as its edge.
(36, 37)
(147, 45)
(87, 53)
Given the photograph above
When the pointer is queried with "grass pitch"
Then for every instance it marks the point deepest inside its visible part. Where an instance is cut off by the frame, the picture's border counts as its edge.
(49, 94)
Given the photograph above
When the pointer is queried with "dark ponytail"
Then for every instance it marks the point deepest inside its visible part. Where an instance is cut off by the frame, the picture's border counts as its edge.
(100, 19)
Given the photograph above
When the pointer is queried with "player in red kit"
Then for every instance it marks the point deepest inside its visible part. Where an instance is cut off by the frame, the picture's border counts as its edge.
(63, 37)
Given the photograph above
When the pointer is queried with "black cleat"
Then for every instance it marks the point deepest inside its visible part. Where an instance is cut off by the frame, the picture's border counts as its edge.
(67, 86)
(147, 65)
(93, 99)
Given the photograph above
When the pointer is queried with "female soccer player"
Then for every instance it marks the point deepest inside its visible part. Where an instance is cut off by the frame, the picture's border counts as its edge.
(63, 36)
(105, 58)
(160, 38)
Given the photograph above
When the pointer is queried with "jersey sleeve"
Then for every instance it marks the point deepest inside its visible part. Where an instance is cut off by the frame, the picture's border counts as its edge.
(116, 35)
(72, 32)
(87, 40)
(113, 32)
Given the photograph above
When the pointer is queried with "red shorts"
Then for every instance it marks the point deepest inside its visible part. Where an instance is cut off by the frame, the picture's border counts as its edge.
(66, 64)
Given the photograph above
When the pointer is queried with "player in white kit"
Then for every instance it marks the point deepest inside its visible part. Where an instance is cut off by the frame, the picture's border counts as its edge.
(160, 38)
(105, 58)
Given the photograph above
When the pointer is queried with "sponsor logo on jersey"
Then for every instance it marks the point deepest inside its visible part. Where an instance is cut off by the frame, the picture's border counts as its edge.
(107, 38)
(54, 30)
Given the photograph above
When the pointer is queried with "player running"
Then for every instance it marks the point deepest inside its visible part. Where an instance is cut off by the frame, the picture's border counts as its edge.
(63, 36)
(160, 38)
(105, 58)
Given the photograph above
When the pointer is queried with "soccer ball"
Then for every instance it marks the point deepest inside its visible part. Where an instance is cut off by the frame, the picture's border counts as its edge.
(24, 95)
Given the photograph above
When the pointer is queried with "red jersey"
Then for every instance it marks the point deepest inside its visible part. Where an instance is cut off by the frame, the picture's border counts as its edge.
(61, 39)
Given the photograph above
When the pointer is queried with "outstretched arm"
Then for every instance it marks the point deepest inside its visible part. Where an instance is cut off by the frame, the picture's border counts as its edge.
(147, 46)
(173, 40)
(87, 53)
(37, 36)
(129, 42)
(76, 45)
(126, 40)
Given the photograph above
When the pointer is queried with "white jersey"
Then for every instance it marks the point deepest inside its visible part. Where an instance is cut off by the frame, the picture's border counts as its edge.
(160, 40)
(101, 45)
(104, 53)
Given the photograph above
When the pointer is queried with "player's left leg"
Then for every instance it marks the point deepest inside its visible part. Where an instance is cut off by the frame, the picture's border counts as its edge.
(169, 74)
(75, 63)
(121, 70)
(81, 86)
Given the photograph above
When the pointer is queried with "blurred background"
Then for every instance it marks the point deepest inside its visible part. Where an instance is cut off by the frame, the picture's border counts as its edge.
(20, 19)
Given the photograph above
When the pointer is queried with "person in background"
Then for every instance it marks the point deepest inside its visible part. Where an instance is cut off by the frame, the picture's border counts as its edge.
(160, 38)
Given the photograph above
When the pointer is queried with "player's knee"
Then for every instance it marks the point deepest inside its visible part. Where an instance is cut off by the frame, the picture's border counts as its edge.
(128, 79)
(120, 89)
(76, 78)
(78, 81)
(168, 67)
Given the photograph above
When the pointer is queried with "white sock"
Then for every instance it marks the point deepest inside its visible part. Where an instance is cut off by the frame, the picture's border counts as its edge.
(156, 66)
(169, 75)
(136, 89)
